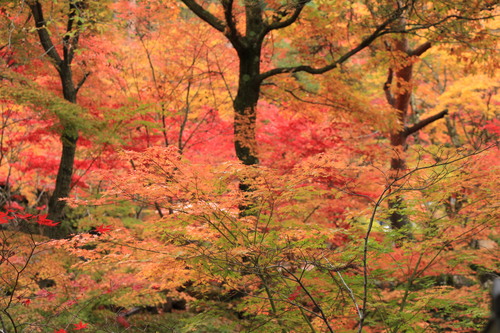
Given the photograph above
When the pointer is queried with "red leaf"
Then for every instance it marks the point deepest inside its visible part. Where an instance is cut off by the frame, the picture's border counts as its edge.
(80, 326)
(43, 220)
(4, 218)
(44, 293)
(61, 331)
(293, 296)
(493, 126)
(24, 216)
(103, 228)
(13, 205)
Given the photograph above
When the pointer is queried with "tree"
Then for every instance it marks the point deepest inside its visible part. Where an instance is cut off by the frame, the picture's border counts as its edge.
(399, 87)
(177, 101)
(63, 64)
(401, 101)
(260, 19)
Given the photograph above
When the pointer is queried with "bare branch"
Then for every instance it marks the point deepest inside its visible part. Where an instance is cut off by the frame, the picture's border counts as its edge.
(70, 39)
(228, 15)
(416, 27)
(231, 32)
(424, 122)
(205, 15)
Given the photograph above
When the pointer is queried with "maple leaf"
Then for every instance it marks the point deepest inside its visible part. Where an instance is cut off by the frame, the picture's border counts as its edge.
(103, 228)
(493, 126)
(4, 218)
(61, 331)
(80, 326)
(13, 205)
(26, 302)
(24, 216)
(43, 220)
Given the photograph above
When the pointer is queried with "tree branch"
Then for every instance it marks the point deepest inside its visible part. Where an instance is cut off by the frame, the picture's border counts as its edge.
(381, 30)
(416, 27)
(387, 88)
(43, 34)
(424, 122)
(387, 84)
(420, 50)
(70, 39)
(231, 32)
(205, 15)
(276, 24)
(82, 81)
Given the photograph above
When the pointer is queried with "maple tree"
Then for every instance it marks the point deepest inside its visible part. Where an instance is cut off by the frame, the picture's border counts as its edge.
(32, 85)
(63, 65)
(263, 17)
(184, 87)
(247, 37)
(284, 239)
(399, 85)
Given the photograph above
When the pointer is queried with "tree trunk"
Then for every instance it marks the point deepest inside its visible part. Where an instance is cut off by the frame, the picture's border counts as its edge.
(245, 103)
(400, 100)
(245, 107)
(62, 64)
(62, 189)
(399, 219)
(69, 138)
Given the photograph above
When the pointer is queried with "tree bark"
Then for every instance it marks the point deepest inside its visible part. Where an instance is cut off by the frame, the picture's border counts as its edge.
(245, 107)
(69, 135)
(62, 189)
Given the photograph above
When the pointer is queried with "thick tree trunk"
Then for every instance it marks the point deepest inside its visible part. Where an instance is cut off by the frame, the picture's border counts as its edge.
(245, 103)
(69, 138)
(62, 189)
(245, 113)
(245, 108)
(62, 64)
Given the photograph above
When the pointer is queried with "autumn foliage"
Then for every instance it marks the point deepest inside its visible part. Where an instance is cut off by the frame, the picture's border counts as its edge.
(248, 166)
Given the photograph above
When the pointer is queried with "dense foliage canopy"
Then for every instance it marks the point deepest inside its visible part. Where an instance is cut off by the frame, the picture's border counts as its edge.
(248, 165)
